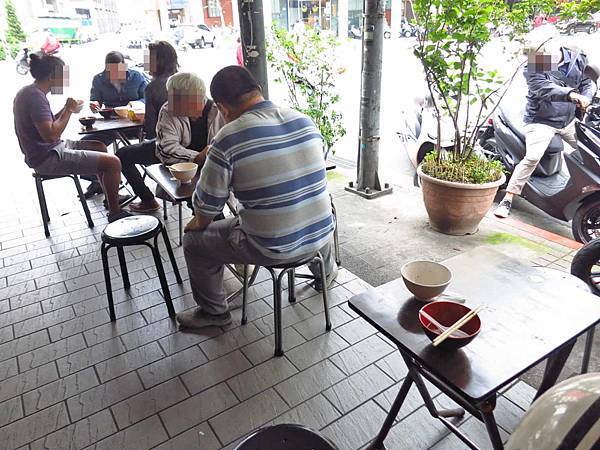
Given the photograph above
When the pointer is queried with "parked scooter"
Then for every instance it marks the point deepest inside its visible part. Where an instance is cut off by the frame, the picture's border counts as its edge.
(568, 191)
(23, 60)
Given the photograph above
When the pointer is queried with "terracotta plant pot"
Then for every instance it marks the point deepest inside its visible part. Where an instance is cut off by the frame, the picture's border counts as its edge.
(456, 208)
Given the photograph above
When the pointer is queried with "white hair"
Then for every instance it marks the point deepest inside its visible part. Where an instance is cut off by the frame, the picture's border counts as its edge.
(185, 82)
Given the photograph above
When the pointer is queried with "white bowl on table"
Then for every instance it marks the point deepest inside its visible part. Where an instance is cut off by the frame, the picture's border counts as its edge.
(426, 279)
(183, 172)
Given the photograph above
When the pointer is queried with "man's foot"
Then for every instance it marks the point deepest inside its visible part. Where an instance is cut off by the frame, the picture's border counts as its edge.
(197, 318)
(503, 209)
(144, 207)
(118, 215)
(94, 188)
(330, 279)
(122, 199)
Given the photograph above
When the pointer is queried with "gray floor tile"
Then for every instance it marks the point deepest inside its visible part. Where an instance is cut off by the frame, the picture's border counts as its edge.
(126, 362)
(315, 413)
(78, 325)
(149, 333)
(419, 430)
(149, 402)
(198, 409)
(229, 341)
(59, 390)
(315, 326)
(316, 350)
(475, 430)
(51, 352)
(10, 411)
(248, 415)
(142, 435)
(74, 298)
(521, 394)
(80, 434)
(412, 402)
(309, 382)
(33, 427)
(42, 321)
(362, 354)
(103, 396)
(28, 381)
(181, 340)
(39, 295)
(20, 314)
(112, 329)
(24, 344)
(358, 388)
(8, 368)
(290, 315)
(337, 296)
(215, 371)
(356, 331)
(89, 356)
(263, 349)
(261, 377)
(356, 428)
(171, 366)
(199, 437)
(393, 365)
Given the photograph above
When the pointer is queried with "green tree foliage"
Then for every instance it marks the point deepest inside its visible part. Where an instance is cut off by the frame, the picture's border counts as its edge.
(306, 65)
(14, 33)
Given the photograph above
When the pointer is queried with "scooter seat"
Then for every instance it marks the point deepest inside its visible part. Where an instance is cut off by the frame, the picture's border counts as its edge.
(514, 120)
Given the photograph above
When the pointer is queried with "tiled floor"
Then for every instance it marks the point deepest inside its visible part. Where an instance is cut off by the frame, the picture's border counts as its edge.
(70, 379)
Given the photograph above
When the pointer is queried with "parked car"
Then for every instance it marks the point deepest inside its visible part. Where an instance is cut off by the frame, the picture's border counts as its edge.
(196, 36)
(578, 26)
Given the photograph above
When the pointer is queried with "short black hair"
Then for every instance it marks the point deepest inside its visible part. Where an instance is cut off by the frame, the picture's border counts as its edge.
(114, 57)
(42, 66)
(166, 57)
(232, 84)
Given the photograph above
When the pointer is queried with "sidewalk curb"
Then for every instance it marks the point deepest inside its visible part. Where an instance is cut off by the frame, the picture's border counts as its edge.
(547, 235)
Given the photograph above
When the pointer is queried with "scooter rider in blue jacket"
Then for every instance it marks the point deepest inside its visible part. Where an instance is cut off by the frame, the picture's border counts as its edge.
(557, 87)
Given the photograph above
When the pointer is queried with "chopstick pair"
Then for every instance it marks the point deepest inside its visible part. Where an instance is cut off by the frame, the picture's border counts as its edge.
(458, 324)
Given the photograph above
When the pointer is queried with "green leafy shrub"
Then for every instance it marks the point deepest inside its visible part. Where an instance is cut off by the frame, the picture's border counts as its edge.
(306, 65)
(471, 170)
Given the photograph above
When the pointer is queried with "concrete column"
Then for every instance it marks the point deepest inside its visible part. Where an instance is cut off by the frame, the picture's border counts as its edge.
(195, 12)
(342, 18)
(397, 14)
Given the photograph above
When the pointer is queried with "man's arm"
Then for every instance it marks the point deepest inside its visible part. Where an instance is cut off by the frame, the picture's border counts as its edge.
(198, 223)
(51, 130)
(142, 86)
(540, 87)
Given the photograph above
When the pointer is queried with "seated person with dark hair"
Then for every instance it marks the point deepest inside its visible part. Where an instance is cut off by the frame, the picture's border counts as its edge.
(115, 86)
(39, 133)
(271, 159)
(186, 124)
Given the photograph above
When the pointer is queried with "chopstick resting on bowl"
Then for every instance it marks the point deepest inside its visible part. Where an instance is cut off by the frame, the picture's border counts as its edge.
(458, 324)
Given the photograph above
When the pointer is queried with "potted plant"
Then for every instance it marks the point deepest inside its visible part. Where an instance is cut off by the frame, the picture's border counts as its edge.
(306, 65)
(458, 185)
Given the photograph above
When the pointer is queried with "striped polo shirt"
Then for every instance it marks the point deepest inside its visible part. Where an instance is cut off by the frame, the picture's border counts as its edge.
(271, 158)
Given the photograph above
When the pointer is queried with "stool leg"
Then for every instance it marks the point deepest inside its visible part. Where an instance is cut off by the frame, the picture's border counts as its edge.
(165, 216)
(123, 265)
(292, 286)
(161, 276)
(245, 295)
(180, 224)
(589, 340)
(336, 240)
(278, 316)
(42, 202)
(171, 255)
(84, 205)
(111, 306)
(325, 292)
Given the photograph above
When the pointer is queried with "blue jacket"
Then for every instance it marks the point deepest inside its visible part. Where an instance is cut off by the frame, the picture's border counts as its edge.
(104, 91)
(548, 92)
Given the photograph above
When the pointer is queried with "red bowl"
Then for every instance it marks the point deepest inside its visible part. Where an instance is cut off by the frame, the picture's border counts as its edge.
(447, 313)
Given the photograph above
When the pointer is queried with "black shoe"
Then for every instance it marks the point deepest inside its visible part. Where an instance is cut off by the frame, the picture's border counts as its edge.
(94, 188)
(120, 215)
(122, 199)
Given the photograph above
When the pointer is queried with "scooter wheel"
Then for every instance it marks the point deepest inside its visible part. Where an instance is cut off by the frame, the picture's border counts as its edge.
(586, 265)
(586, 222)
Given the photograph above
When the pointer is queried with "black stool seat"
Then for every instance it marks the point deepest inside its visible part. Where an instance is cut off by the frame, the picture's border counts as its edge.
(286, 437)
(131, 230)
(294, 264)
(137, 230)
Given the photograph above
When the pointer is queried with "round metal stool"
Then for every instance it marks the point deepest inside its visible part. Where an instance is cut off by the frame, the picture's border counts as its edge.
(286, 437)
(136, 230)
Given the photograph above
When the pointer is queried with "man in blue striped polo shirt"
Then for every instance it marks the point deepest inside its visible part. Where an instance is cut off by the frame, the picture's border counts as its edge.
(271, 159)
